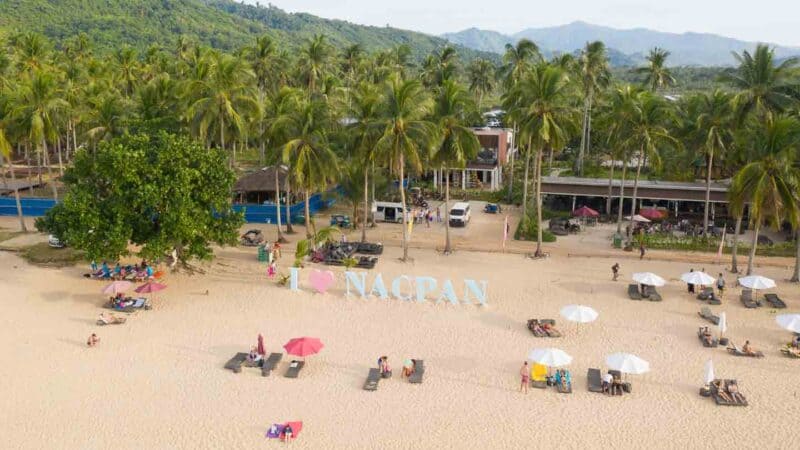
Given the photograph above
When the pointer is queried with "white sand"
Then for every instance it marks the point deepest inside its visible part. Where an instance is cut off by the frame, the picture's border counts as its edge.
(158, 381)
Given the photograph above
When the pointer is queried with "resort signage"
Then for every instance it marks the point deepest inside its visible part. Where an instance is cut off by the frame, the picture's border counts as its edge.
(403, 287)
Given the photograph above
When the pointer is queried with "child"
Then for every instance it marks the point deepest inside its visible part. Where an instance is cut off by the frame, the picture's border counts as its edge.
(93, 340)
(271, 270)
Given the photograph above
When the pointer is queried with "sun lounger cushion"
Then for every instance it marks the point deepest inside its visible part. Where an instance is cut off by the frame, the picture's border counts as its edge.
(706, 313)
(747, 299)
(373, 377)
(594, 381)
(633, 292)
(775, 301)
(419, 371)
(294, 369)
(235, 363)
(270, 363)
(539, 376)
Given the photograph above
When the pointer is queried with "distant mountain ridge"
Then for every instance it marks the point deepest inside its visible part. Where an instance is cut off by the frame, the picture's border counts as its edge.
(688, 49)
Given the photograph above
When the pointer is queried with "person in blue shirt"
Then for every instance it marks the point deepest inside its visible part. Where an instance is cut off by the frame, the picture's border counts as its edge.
(149, 271)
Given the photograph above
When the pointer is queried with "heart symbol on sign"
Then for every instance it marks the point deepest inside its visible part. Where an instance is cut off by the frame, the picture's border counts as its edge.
(321, 280)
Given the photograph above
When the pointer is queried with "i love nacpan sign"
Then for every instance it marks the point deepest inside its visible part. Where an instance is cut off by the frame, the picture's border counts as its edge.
(403, 287)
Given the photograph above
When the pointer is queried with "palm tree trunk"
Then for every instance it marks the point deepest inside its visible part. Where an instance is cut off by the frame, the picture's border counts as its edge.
(403, 208)
(525, 186)
(621, 196)
(708, 193)
(281, 239)
(372, 193)
(539, 202)
(511, 168)
(366, 205)
(289, 228)
(22, 226)
(635, 191)
(610, 188)
(584, 131)
(50, 171)
(447, 246)
(308, 214)
(74, 140)
(753, 248)
(735, 248)
(796, 274)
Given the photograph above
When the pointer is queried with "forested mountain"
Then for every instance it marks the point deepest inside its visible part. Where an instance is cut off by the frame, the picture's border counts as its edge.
(686, 49)
(223, 24)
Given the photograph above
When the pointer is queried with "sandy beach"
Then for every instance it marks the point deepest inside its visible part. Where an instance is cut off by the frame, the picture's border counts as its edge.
(158, 380)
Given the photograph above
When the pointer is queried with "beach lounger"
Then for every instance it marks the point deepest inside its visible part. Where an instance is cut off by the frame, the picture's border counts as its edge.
(235, 363)
(775, 301)
(269, 364)
(562, 389)
(706, 293)
(139, 303)
(294, 369)
(747, 299)
(705, 313)
(703, 339)
(419, 371)
(535, 327)
(626, 387)
(111, 321)
(652, 294)
(714, 300)
(594, 381)
(373, 377)
(791, 352)
(731, 400)
(734, 350)
(539, 376)
(633, 292)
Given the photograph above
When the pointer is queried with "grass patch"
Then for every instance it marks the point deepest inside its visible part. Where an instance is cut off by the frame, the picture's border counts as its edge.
(691, 244)
(6, 235)
(43, 255)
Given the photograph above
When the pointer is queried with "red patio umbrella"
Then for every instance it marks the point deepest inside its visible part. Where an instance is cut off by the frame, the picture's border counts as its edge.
(303, 346)
(261, 350)
(585, 211)
(149, 288)
(652, 213)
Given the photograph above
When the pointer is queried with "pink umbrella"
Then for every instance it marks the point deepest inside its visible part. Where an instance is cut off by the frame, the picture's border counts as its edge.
(117, 287)
(303, 346)
(149, 288)
(652, 214)
(261, 350)
(585, 211)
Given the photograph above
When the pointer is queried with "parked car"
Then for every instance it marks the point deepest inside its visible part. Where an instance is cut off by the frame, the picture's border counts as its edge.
(340, 220)
(460, 214)
(55, 242)
(492, 208)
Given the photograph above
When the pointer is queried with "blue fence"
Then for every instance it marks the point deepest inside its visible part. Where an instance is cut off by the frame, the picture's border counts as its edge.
(35, 207)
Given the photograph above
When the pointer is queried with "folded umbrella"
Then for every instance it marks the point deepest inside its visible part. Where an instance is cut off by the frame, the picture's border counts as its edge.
(709, 375)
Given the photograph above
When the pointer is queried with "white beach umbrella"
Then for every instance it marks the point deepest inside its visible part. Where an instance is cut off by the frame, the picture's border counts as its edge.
(638, 218)
(790, 322)
(550, 357)
(709, 375)
(757, 282)
(579, 313)
(627, 363)
(648, 278)
(698, 278)
(723, 323)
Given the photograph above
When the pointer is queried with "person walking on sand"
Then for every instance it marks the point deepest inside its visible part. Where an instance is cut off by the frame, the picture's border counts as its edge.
(271, 270)
(93, 340)
(641, 250)
(690, 286)
(615, 271)
(439, 214)
(721, 285)
(524, 374)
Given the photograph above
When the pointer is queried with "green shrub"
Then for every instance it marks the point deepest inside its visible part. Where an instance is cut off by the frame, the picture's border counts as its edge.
(527, 231)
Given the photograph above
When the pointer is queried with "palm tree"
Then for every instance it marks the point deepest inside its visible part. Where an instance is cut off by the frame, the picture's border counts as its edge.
(715, 129)
(5, 154)
(365, 131)
(31, 50)
(127, 68)
(457, 144)
(278, 105)
(440, 66)
(406, 136)
(647, 120)
(221, 97)
(106, 118)
(262, 59)
(545, 115)
(315, 56)
(38, 108)
(657, 74)
(764, 86)
(769, 182)
(312, 162)
(594, 75)
(481, 79)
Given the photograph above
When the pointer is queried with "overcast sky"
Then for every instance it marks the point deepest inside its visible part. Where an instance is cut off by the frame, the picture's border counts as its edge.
(775, 21)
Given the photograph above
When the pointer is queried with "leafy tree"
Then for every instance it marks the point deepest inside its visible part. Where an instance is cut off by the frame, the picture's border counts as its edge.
(161, 193)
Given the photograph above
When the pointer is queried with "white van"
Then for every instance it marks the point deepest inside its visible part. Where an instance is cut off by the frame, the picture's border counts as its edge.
(388, 212)
(459, 214)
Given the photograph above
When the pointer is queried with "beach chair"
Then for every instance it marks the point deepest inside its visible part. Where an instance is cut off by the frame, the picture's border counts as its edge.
(747, 299)
(705, 313)
(373, 377)
(235, 363)
(706, 293)
(633, 292)
(652, 294)
(111, 320)
(269, 364)
(539, 376)
(727, 399)
(419, 371)
(565, 389)
(714, 300)
(626, 386)
(705, 340)
(550, 330)
(294, 369)
(535, 327)
(734, 350)
(791, 352)
(594, 381)
(775, 301)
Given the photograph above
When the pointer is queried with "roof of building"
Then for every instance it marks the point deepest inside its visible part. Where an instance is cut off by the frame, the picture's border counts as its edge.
(261, 180)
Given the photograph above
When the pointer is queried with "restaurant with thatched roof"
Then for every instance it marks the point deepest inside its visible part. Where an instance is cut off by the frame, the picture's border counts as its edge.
(259, 187)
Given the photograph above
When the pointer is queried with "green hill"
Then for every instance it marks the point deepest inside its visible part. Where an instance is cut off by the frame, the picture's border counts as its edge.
(221, 24)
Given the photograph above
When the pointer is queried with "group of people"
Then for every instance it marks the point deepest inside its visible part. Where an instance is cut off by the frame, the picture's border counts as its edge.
(728, 391)
(720, 283)
(612, 385)
(135, 272)
(274, 252)
(425, 215)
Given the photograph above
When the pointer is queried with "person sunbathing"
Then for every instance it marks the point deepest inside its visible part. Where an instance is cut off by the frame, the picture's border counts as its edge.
(733, 390)
(722, 388)
(386, 370)
(408, 368)
(253, 356)
(748, 349)
(93, 340)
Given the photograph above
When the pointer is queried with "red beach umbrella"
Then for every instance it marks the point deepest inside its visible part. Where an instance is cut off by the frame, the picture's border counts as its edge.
(303, 346)
(117, 287)
(149, 288)
(585, 211)
(651, 213)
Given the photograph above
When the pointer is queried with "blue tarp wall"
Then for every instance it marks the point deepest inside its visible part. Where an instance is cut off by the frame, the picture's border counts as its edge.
(35, 207)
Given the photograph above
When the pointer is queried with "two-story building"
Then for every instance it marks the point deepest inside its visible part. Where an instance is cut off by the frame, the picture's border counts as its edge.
(486, 170)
